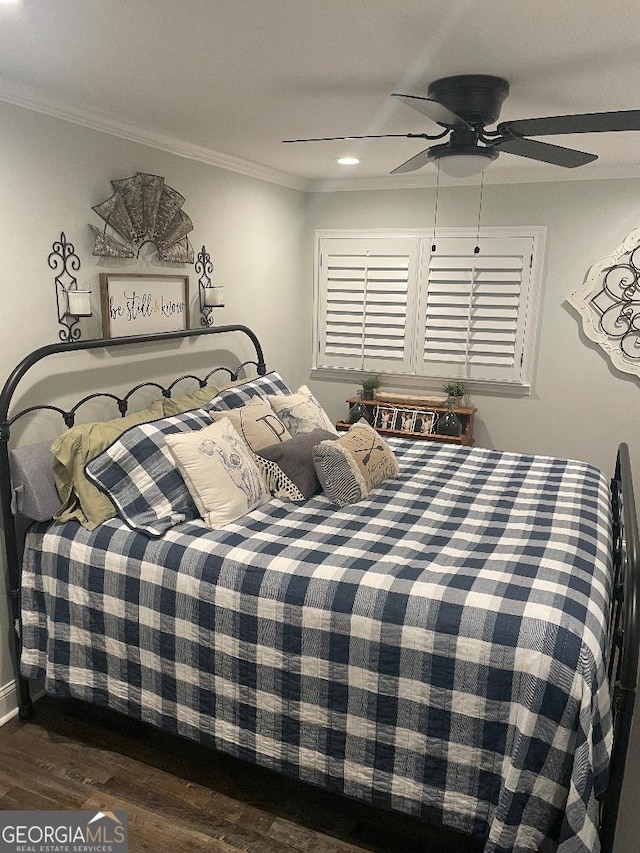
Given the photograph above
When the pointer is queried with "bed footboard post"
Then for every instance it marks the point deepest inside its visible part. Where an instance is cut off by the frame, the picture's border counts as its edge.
(623, 703)
(625, 643)
(25, 705)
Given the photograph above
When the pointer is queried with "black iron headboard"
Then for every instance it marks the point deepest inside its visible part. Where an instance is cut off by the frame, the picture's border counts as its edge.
(9, 521)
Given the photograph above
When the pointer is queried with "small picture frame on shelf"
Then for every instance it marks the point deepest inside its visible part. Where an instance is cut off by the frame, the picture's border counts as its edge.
(425, 422)
(406, 420)
(385, 417)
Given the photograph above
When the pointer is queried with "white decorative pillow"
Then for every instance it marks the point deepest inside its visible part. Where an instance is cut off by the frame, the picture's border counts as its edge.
(256, 423)
(219, 471)
(300, 412)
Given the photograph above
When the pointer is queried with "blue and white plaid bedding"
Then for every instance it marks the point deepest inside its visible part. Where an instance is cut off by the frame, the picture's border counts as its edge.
(436, 649)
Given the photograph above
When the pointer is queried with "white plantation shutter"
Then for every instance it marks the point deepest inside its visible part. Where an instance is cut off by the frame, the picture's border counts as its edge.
(365, 288)
(474, 309)
(387, 303)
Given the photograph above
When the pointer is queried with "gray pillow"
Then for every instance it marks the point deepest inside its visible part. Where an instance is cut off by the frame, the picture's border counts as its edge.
(288, 468)
(34, 488)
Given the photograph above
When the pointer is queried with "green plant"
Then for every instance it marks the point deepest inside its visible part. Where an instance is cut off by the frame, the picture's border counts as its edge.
(370, 383)
(454, 389)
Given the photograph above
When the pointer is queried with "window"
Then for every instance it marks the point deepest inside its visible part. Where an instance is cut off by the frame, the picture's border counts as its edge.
(387, 302)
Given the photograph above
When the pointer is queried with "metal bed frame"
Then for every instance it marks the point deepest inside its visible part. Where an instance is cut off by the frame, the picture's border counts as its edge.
(624, 638)
(624, 626)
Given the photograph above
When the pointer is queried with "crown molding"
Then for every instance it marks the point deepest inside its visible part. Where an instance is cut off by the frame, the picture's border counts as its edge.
(23, 95)
(20, 95)
(424, 180)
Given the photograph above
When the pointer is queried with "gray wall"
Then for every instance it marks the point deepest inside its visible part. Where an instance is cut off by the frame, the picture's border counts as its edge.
(579, 406)
(51, 173)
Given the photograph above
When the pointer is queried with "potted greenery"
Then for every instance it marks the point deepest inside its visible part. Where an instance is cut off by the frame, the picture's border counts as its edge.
(456, 390)
(369, 385)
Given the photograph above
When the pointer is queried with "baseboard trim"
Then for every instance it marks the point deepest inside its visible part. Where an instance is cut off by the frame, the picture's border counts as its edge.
(9, 699)
(8, 702)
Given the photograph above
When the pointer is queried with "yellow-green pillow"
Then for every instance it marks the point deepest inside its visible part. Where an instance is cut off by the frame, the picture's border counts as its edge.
(71, 452)
(193, 400)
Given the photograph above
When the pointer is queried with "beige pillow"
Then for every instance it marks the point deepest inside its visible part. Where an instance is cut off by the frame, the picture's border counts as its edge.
(71, 452)
(219, 471)
(256, 423)
(300, 412)
(351, 466)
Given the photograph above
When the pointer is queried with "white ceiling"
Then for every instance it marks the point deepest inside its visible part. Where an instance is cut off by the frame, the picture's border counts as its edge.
(226, 80)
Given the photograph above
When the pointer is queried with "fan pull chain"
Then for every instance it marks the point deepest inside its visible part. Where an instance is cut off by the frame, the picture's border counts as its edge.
(435, 213)
(476, 251)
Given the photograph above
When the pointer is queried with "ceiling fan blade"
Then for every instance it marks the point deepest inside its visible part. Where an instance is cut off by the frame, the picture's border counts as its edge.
(366, 136)
(412, 164)
(433, 110)
(583, 123)
(546, 153)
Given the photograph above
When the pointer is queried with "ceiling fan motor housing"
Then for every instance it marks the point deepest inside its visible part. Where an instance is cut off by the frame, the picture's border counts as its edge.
(477, 98)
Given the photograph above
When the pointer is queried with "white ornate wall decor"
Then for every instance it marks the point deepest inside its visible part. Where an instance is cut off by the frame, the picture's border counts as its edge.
(609, 304)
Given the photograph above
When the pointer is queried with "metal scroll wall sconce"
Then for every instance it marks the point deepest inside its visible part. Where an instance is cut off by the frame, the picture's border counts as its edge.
(210, 295)
(72, 303)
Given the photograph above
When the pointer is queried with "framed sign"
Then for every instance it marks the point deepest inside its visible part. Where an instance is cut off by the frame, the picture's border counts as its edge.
(143, 304)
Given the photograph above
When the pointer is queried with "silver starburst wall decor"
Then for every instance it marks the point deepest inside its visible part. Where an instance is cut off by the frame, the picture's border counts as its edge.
(143, 209)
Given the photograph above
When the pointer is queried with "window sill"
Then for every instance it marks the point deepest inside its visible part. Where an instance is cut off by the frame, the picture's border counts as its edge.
(420, 384)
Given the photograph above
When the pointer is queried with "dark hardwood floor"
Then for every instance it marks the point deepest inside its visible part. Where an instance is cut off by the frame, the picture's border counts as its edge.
(181, 797)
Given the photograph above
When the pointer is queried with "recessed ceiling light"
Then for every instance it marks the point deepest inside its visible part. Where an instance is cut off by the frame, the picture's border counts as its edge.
(10, 1)
(348, 161)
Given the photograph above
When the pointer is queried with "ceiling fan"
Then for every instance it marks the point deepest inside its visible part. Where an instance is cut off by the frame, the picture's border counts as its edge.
(463, 105)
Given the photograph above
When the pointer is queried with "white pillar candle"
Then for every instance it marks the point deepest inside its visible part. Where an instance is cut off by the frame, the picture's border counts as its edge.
(214, 296)
(79, 303)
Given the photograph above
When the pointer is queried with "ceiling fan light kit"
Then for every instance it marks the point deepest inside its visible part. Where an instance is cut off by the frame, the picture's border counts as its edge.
(458, 164)
(465, 104)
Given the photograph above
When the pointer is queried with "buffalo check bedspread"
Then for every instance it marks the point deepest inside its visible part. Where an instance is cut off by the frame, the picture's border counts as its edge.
(437, 648)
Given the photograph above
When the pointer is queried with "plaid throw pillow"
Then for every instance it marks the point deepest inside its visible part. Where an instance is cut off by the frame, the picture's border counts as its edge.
(239, 395)
(139, 476)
